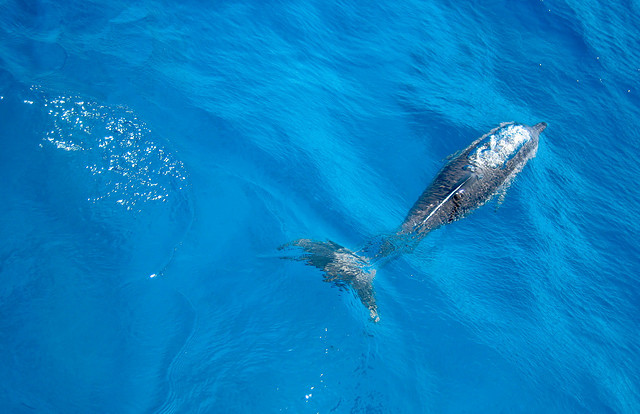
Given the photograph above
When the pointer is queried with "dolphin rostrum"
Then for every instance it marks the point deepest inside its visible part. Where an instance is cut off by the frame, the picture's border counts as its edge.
(471, 178)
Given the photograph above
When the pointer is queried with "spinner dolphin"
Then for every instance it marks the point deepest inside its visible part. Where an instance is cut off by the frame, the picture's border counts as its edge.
(471, 178)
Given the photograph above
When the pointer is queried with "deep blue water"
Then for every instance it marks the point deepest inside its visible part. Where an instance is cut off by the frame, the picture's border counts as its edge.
(155, 154)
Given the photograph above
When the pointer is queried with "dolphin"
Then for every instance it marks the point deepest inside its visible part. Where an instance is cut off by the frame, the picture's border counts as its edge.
(471, 178)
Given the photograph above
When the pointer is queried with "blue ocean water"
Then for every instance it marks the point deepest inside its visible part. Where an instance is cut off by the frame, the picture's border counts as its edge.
(156, 154)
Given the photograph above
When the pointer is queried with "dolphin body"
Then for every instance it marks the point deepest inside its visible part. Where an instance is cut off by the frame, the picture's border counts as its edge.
(471, 178)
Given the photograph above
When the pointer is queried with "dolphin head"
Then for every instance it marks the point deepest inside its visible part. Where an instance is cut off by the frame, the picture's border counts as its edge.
(538, 128)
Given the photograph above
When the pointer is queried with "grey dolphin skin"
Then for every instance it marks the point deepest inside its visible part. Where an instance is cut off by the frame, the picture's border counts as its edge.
(470, 179)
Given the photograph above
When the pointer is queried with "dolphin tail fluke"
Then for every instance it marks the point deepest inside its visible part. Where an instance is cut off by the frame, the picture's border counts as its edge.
(340, 266)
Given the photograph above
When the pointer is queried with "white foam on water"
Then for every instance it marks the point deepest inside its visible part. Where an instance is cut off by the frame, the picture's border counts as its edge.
(500, 147)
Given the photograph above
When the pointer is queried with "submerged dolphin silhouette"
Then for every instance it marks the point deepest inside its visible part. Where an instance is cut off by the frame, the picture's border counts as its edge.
(471, 178)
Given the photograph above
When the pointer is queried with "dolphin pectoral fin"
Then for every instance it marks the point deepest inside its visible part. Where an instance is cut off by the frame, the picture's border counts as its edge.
(500, 200)
(452, 156)
(341, 267)
(501, 192)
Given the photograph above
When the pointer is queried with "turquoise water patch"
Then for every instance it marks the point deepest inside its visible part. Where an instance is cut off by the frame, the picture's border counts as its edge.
(155, 155)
